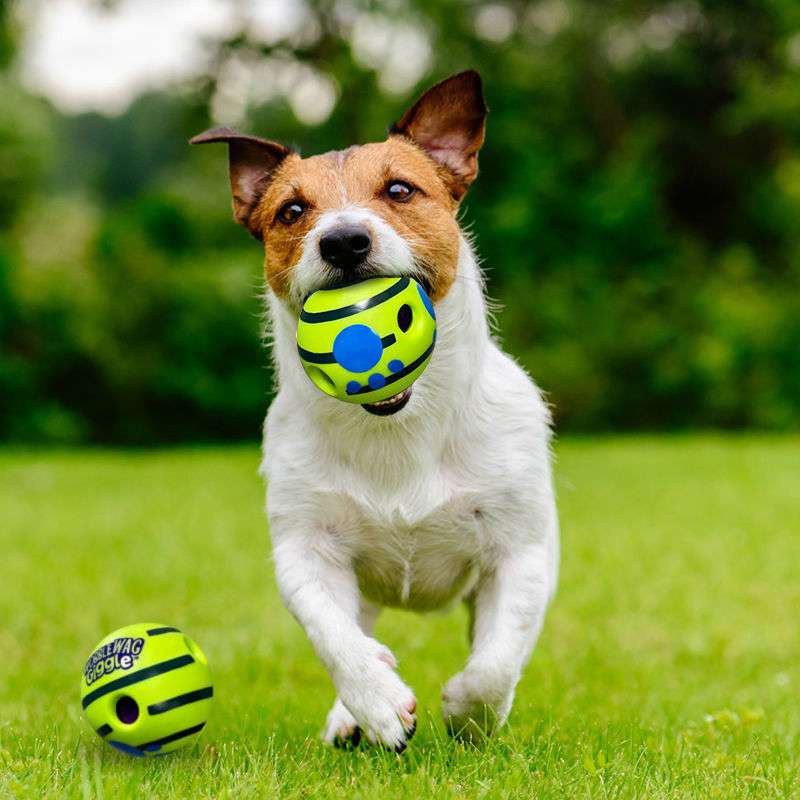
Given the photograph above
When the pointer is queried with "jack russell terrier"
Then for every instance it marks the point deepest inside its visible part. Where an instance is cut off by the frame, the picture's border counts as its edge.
(438, 494)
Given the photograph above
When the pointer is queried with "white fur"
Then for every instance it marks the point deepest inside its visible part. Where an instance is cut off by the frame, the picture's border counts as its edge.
(451, 498)
(389, 250)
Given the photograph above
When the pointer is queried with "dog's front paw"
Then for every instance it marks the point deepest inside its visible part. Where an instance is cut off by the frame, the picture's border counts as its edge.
(476, 702)
(381, 705)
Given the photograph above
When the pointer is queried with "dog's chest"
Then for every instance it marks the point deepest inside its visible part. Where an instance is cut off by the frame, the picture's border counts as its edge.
(416, 554)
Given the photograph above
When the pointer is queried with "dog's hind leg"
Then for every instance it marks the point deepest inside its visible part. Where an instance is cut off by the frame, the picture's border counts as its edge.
(341, 729)
(507, 612)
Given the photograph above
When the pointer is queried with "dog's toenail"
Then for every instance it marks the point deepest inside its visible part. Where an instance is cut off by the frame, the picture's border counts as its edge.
(348, 741)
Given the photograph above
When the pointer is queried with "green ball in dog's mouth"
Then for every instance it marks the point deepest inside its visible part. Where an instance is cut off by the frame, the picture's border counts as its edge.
(367, 342)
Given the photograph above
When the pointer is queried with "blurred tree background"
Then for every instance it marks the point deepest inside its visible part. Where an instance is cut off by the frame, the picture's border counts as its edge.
(637, 212)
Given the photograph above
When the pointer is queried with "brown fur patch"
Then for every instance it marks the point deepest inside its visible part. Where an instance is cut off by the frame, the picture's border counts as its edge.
(359, 176)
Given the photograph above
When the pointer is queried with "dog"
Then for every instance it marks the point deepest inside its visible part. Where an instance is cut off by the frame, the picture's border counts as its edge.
(440, 494)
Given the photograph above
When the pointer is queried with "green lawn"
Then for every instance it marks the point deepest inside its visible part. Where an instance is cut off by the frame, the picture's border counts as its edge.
(669, 665)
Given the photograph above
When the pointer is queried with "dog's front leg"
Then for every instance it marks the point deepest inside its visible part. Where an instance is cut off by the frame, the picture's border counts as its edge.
(508, 609)
(321, 591)
(341, 728)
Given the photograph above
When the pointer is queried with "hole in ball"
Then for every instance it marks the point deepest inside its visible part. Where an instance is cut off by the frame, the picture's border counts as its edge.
(404, 317)
(127, 710)
(322, 380)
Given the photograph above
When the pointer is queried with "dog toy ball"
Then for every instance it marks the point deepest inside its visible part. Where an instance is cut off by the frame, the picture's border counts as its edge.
(366, 342)
(146, 689)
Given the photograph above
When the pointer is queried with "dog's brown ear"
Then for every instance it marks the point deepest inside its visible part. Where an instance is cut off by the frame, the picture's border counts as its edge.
(448, 122)
(252, 163)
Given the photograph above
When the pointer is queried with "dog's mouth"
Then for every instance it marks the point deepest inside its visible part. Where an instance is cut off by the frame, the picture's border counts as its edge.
(335, 281)
(385, 408)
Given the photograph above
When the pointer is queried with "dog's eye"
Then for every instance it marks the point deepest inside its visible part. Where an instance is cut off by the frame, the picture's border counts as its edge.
(290, 212)
(399, 191)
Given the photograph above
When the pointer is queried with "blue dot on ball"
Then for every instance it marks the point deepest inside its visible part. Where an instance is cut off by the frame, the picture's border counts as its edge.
(376, 381)
(353, 387)
(426, 301)
(357, 348)
(395, 365)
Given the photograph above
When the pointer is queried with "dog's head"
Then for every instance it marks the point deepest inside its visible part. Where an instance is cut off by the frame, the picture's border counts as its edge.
(385, 208)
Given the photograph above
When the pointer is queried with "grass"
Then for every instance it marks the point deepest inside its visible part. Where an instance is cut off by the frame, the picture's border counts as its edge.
(669, 665)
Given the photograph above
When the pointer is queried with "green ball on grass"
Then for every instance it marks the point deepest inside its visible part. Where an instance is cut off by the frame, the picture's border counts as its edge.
(146, 689)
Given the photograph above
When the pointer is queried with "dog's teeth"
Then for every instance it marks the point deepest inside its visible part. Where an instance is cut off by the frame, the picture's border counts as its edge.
(389, 401)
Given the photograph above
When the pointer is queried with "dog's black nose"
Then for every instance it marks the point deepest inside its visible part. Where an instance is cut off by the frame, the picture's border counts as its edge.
(345, 247)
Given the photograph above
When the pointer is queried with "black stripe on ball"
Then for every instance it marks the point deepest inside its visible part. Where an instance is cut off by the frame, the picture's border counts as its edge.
(104, 730)
(159, 631)
(137, 677)
(401, 373)
(316, 358)
(355, 308)
(330, 358)
(173, 737)
(180, 700)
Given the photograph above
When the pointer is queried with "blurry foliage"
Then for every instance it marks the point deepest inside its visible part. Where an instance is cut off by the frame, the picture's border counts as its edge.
(7, 34)
(636, 211)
